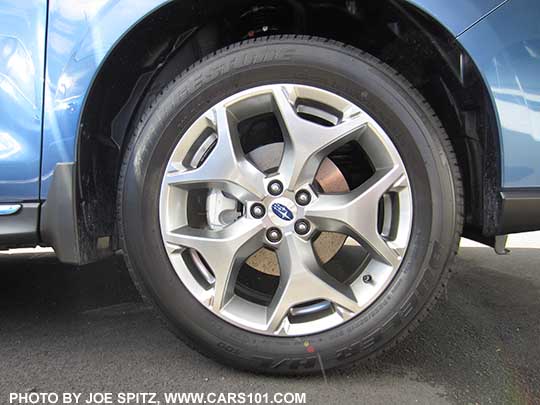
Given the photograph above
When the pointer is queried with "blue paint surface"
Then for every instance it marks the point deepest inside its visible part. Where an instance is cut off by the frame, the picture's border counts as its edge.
(81, 34)
(506, 48)
(456, 15)
(22, 55)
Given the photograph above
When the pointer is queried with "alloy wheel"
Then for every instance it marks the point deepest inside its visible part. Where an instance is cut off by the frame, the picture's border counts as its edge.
(254, 225)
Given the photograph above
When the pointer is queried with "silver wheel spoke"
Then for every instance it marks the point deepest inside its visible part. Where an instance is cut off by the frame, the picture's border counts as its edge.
(226, 167)
(308, 143)
(303, 280)
(356, 213)
(224, 251)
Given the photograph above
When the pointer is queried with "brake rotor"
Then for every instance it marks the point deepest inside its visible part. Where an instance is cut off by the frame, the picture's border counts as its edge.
(330, 180)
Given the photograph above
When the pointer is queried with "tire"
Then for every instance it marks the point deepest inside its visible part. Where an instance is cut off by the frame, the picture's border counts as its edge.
(413, 128)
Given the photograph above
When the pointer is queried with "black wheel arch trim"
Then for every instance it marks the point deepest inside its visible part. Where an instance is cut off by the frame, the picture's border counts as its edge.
(20, 229)
(520, 210)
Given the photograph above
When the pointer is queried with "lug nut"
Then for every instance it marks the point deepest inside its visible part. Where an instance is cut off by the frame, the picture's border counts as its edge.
(274, 235)
(303, 197)
(302, 227)
(275, 187)
(257, 211)
(367, 278)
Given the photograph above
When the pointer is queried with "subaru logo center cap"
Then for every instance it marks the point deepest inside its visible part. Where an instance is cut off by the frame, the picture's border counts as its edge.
(282, 211)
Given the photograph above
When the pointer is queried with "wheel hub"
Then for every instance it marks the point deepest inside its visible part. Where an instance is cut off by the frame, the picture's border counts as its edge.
(329, 178)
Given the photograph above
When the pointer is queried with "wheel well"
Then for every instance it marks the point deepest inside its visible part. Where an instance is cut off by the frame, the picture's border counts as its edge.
(179, 33)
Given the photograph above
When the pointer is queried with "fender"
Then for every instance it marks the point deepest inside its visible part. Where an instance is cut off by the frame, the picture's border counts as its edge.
(81, 34)
(510, 62)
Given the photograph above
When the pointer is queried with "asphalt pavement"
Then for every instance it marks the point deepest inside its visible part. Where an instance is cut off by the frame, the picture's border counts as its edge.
(64, 329)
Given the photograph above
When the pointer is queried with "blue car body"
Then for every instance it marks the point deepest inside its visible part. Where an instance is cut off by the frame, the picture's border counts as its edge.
(51, 52)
